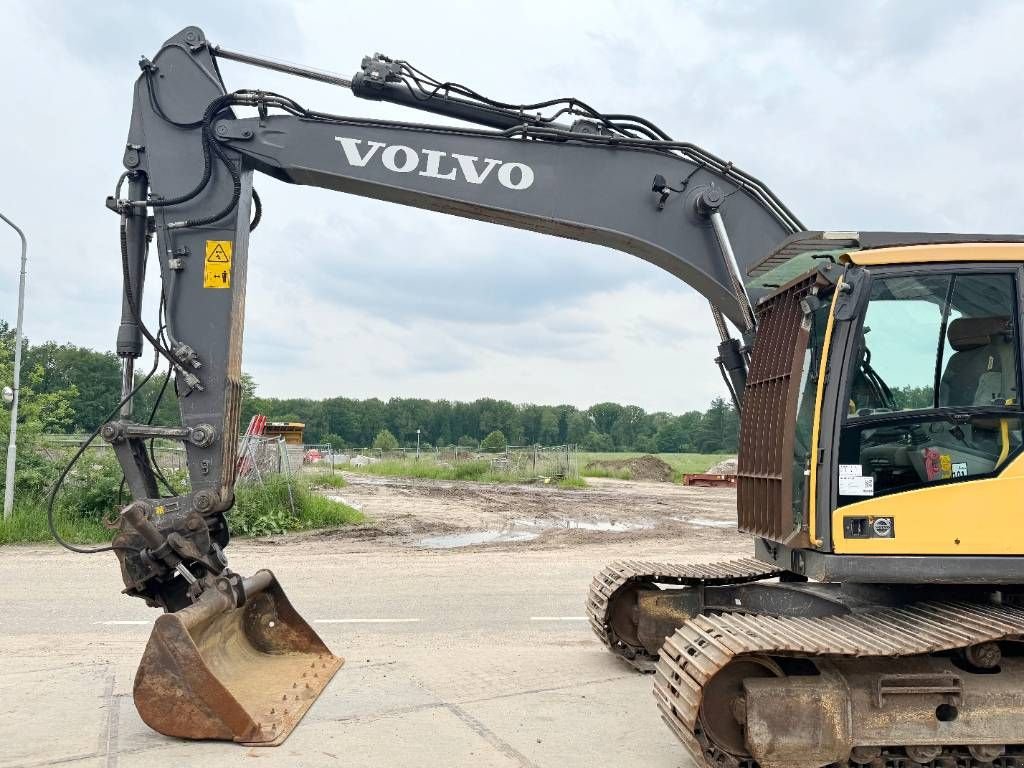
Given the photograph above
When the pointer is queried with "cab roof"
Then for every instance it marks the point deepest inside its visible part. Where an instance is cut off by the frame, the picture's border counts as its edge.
(802, 251)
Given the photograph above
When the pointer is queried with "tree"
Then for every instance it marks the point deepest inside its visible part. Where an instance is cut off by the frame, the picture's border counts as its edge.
(676, 433)
(578, 425)
(337, 442)
(38, 412)
(605, 415)
(494, 442)
(41, 408)
(718, 428)
(385, 441)
(96, 376)
(628, 425)
(468, 442)
(548, 433)
(913, 397)
(597, 442)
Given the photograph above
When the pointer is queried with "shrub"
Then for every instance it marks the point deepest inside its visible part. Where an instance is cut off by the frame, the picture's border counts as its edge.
(91, 488)
(385, 441)
(263, 509)
(494, 442)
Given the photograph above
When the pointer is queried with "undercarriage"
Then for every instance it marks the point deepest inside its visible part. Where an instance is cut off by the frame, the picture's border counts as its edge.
(767, 669)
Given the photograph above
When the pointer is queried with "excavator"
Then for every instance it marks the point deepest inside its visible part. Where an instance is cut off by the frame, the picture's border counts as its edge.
(879, 620)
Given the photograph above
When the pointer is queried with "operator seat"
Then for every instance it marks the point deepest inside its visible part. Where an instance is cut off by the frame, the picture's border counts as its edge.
(982, 369)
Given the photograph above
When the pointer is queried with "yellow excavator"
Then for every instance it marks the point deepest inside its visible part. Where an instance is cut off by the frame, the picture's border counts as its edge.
(879, 619)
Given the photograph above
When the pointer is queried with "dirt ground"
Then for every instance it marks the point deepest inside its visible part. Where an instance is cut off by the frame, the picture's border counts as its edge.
(458, 515)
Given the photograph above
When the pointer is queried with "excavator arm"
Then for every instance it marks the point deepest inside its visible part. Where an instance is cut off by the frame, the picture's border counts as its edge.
(192, 151)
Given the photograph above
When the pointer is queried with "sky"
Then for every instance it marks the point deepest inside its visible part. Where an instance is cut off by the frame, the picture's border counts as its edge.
(859, 115)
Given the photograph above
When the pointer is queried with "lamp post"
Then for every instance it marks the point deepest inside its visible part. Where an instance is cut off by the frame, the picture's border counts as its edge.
(12, 445)
(417, 444)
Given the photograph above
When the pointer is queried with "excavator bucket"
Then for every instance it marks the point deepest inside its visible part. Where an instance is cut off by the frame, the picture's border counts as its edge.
(248, 674)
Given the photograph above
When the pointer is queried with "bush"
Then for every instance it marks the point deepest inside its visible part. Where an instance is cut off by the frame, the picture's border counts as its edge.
(34, 473)
(468, 442)
(264, 509)
(91, 488)
(385, 441)
(494, 442)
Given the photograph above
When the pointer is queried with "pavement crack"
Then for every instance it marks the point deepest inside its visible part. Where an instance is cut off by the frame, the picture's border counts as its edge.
(551, 689)
(490, 736)
(109, 737)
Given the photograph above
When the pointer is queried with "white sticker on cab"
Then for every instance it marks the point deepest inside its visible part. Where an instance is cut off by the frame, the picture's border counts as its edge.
(856, 486)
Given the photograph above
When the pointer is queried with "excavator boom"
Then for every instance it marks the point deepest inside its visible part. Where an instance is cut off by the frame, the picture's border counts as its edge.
(232, 658)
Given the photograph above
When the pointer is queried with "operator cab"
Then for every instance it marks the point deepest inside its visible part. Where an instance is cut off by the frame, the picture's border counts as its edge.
(934, 386)
(894, 360)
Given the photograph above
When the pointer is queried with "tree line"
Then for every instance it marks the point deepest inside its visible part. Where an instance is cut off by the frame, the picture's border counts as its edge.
(88, 383)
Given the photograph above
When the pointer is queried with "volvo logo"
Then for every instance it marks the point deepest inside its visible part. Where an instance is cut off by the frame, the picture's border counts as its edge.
(436, 164)
(882, 527)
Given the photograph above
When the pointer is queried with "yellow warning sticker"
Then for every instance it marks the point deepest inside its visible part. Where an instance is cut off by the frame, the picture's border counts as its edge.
(217, 266)
(946, 465)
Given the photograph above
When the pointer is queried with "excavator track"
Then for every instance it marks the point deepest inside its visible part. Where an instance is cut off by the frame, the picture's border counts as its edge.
(707, 644)
(617, 578)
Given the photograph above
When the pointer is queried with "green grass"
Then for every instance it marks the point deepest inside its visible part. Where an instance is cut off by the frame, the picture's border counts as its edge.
(259, 510)
(572, 483)
(681, 463)
(263, 509)
(325, 480)
(27, 524)
(425, 468)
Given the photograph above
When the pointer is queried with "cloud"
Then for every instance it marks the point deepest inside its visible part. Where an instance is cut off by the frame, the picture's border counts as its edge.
(873, 115)
(413, 267)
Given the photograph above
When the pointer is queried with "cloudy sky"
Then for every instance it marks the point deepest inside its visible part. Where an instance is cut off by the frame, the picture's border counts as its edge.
(860, 115)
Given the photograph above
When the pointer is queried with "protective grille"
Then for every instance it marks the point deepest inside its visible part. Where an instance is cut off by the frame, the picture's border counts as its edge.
(765, 468)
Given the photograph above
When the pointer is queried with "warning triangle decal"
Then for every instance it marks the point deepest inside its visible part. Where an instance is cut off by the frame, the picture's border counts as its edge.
(217, 254)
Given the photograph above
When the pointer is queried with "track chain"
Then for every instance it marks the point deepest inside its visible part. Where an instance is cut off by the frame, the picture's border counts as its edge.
(706, 643)
(615, 578)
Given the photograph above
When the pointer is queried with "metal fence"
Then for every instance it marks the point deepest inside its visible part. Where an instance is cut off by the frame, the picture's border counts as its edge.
(260, 456)
(519, 460)
(169, 456)
(539, 461)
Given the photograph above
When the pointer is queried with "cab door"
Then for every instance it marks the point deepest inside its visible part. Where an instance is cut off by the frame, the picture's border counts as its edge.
(928, 456)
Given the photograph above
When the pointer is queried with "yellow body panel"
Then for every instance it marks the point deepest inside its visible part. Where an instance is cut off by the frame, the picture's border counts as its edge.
(927, 254)
(974, 517)
(812, 485)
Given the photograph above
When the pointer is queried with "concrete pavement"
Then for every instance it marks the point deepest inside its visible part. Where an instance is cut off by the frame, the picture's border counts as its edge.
(475, 658)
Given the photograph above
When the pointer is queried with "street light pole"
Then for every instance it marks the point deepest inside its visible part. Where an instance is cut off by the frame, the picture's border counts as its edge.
(12, 445)
(417, 444)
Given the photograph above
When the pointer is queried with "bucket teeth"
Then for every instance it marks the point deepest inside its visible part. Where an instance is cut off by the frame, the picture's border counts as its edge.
(210, 671)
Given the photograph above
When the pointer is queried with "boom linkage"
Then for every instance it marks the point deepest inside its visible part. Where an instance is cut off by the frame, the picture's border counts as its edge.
(612, 180)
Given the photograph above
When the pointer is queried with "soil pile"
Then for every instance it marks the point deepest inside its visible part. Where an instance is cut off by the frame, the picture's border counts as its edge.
(724, 467)
(646, 467)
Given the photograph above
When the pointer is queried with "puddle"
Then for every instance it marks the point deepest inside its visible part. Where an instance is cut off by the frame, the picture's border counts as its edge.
(522, 529)
(454, 540)
(706, 522)
(612, 526)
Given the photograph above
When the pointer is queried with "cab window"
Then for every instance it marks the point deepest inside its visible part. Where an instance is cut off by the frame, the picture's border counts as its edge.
(933, 395)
